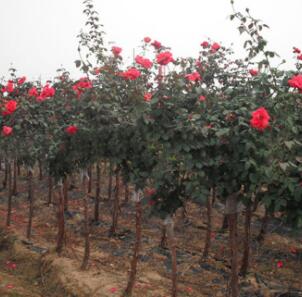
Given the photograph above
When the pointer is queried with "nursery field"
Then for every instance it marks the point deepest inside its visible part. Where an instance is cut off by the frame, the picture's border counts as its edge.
(31, 267)
(165, 176)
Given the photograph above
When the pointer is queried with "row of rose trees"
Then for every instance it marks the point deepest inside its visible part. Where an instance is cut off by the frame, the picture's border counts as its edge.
(196, 129)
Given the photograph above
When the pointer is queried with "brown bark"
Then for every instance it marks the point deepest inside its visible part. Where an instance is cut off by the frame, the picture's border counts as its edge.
(61, 221)
(9, 200)
(86, 226)
(65, 192)
(127, 192)
(231, 210)
(14, 191)
(31, 202)
(136, 250)
(89, 179)
(209, 225)
(97, 193)
(110, 180)
(116, 205)
(225, 223)
(163, 241)
(50, 190)
(6, 165)
(246, 240)
(40, 170)
(19, 169)
(171, 239)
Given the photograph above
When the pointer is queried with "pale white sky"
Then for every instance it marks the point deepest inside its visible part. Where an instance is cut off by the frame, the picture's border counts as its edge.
(38, 36)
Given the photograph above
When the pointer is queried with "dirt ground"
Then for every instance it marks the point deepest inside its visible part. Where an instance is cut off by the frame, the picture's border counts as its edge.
(31, 268)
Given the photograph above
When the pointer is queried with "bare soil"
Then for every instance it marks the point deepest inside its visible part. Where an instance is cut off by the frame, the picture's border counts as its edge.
(276, 264)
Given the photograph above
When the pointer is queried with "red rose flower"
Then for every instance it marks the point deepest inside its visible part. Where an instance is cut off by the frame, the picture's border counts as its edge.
(202, 98)
(21, 80)
(10, 107)
(299, 57)
(80, 86)
(279, 264)
(47, 92)
(215, 47)
(131, 74)
(204, 44)
(147, 39)
(71, 130)
(253, 72)
(194, 76)
(156, 44)
(164, 58)
(146, 63)
(6, 130)
(147, 97)
(116, 50)
(296, 50)
(33, 92)
(260, 119)
(9, 88)
(296, 82)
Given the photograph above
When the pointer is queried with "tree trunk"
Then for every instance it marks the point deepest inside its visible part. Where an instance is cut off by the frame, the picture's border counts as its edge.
(126, 193)
(9, 200)
(163, 241)
(86, 224)
(19, 168)
(40, 170)
(65, 192)
(209, 225)
(247, 239)
(61, 220)
(225, 223)
(110, 180)
(14, 191)
(231, 211)
(90, 179)
(97, 193)
(116, 205)
(138, 225)
(170, 234)
(6, 164)
(264, 224)
(50, 190)
(31, 202)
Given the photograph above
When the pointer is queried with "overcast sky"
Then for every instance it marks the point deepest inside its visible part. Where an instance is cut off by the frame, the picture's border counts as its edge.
(38, 36)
